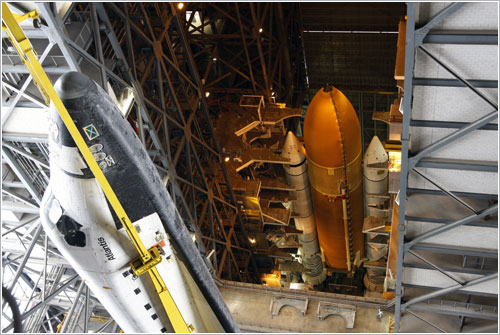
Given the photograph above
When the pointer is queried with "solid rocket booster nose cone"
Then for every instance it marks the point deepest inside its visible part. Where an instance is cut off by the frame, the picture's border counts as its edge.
(291, 149)
(375, 153)
(72, 85)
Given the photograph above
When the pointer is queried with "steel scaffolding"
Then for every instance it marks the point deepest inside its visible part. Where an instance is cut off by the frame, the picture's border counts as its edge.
(163, 58)
(419, 160)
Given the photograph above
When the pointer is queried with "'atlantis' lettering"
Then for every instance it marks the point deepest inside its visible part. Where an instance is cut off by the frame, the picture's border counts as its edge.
(107, 251)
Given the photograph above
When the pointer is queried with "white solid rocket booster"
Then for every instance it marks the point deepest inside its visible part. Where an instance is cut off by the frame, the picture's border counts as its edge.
(375, 181)
(376, 173)
(296, 174)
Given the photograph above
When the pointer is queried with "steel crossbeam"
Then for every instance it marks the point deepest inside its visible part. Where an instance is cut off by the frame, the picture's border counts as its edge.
(171, 110)
(449, 289)
(415, 38)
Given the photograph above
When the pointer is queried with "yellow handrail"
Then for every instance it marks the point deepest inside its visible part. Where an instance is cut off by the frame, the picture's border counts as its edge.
(42, 81)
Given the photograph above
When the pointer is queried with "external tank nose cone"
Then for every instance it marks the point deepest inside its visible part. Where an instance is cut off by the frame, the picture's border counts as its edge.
(331, 120)
(291, 149)
(72, 85)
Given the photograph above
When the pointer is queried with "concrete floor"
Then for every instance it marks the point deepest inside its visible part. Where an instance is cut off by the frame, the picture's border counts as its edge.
(251, 311)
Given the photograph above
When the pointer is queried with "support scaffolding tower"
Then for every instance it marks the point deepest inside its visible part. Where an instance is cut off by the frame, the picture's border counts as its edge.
(448, 221)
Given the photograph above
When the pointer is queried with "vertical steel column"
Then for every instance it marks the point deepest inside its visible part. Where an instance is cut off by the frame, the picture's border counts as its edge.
(73, 308)
(25, 258)
(98, 44)
(245, 48)
(204, 108)
(285, 53)
(256, 36)
(42, 303)
(46, 246)
(21, 174)
(87, 311)
(56, 32)
(361, 120)
(405, 140)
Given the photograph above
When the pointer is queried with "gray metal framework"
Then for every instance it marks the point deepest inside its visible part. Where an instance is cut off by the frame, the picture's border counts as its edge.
(154, 51)
(413, 162)
(39, 275)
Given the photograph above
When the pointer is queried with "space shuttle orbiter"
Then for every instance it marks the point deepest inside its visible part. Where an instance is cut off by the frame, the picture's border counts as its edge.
(81, 223)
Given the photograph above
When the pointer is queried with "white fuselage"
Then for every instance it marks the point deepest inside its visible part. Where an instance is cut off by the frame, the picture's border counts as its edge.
(104, 260)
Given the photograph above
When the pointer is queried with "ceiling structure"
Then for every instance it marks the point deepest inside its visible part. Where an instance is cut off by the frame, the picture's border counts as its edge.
(351, 45)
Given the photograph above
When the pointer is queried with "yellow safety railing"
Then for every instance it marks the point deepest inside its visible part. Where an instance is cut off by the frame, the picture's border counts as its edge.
(148, 258)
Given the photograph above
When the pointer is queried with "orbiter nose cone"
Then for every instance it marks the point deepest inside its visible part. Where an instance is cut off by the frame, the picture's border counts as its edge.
(72, 85)
(375, 153)
(291, 149)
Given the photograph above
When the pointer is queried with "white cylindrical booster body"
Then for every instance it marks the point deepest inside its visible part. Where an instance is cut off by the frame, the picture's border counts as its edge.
(375, 172)
(296, 174)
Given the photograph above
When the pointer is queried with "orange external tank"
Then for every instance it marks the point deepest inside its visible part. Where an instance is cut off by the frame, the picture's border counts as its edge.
(332, 138)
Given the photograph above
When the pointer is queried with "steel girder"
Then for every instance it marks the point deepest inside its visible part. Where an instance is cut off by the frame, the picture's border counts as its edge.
(25, 159)
(243, 49)
(187, 62)
(246, 48)
(414, 40)
(160, 55)
(166, 76)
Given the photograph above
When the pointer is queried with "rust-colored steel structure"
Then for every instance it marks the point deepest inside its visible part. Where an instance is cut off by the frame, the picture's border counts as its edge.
(332, 137)
(186, 62)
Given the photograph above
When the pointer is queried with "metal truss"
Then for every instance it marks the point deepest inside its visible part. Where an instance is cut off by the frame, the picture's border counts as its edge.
(32, 268)
(188, 62)
(174, 106)
(179, 66)
(248, 48)
(366, 103)
(414, 162)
